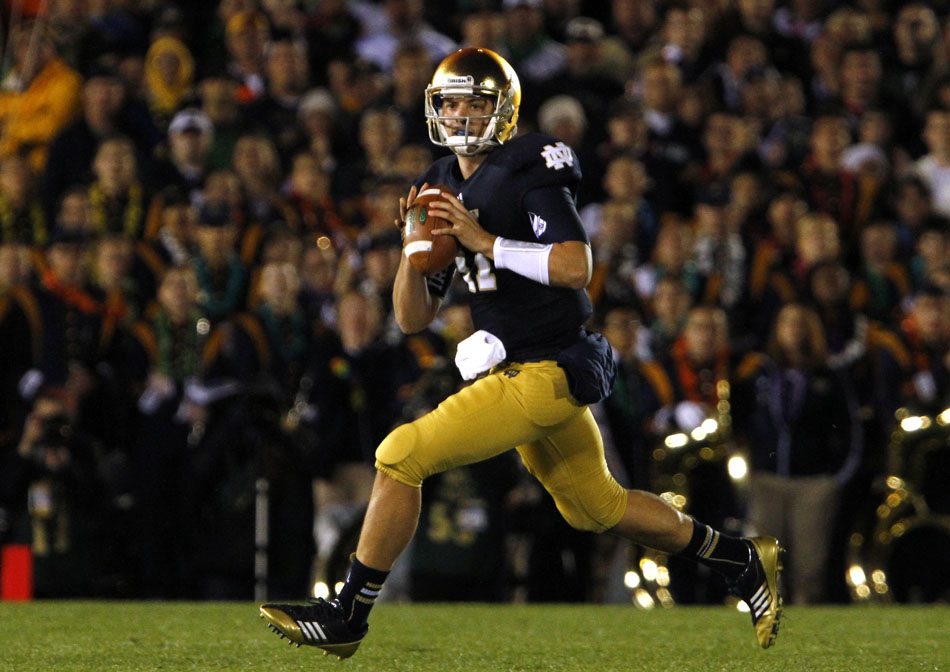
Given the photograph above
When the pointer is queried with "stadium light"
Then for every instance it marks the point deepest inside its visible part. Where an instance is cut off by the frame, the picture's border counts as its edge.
(915, 423)
(631, 579)
(856, 575)
(738, 468)
(677, 440)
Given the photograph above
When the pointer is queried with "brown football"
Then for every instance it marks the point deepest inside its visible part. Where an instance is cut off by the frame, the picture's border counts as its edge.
(428, 254)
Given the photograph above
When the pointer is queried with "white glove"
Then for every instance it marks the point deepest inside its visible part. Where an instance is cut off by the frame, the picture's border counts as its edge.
(478, 353)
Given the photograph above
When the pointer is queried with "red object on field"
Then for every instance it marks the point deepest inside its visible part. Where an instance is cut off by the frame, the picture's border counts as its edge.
(16, 573)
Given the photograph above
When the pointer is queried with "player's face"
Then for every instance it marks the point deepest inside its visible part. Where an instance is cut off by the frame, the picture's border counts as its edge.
(458, 108)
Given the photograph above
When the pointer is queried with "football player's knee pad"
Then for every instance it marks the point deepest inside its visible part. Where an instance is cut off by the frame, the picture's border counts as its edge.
(396, 456)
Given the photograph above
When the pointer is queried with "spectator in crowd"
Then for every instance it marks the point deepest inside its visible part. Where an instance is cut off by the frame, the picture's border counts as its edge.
(925, 332)
(117, 198)
(722, 144)
(164, 354)
(411, 159)
(318, 272)
(73, 210)
(331, 29)
(798, 418)
(530, 49)
(21, 353)
(930, 260)
(666, 314)
(169, 77)
(275, 112)
(190, 140)
(659, 87)
(755, 19)
(222, 276)
(173, 228)
(909, 75)
(934, 166)
(913, 206)
(882, 282)
(247, 32)
(719, 251)
(861, 82)
(380, 135)
(744, 55)
(112, 279)
(672, 257)
(583, 75)
(691, 380)
(404, 21)
(622, 229)
(309, 194)
(54, 473)
(633, 24)
(40, 94)
(318, 120)
(218, 95)
(682, 40)
(22, 216)
(412, 67)
(257, 166)
(773, 254)
(72, 149)
(629, 408)
(483, 27)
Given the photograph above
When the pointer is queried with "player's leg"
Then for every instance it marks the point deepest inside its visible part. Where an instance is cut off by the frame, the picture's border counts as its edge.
(570, 464)
(750, 566)
(482, 420)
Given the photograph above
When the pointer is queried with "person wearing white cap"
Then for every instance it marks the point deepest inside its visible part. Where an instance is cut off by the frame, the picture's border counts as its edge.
(189, 144)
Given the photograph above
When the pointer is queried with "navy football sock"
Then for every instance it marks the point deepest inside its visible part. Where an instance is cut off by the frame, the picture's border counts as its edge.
(360, 592)
(725, 554)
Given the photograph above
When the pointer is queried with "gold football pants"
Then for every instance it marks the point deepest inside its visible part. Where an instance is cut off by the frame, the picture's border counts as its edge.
(522, 406)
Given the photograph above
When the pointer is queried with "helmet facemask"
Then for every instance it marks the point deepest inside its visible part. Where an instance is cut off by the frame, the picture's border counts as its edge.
(455, 132)
(469, 73)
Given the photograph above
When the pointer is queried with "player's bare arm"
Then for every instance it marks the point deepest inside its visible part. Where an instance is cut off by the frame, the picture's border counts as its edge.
(569, 264)
(413, 306)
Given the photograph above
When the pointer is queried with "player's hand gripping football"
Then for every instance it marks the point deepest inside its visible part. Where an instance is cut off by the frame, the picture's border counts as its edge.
(405, 204)
(464, 227)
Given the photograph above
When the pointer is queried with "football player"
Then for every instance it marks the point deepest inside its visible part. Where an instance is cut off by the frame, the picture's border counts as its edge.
(526, 260)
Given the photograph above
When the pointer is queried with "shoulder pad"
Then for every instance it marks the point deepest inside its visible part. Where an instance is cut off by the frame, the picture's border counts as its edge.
(543, 161)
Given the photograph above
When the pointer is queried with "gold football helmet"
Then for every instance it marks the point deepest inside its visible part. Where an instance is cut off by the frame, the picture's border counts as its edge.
(474, 71)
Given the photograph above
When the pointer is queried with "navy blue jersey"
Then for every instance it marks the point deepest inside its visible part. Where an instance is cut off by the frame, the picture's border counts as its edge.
(524, 190)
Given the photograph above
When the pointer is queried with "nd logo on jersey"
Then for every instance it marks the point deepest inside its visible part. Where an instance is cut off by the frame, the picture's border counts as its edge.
(557, 156)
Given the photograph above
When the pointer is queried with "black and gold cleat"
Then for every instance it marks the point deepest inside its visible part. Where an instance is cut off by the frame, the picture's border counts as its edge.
(758, 587)
(321, 624)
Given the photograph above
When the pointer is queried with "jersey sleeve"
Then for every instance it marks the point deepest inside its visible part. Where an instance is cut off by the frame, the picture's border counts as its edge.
(553, 216)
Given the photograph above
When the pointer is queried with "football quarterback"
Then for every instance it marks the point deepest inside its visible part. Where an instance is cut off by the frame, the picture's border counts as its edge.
(526, 260)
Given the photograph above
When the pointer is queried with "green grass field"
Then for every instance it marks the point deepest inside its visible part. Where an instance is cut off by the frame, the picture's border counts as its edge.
(174, 637)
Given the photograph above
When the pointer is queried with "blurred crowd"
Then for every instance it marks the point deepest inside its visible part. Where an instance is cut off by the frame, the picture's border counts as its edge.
(197, 250)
